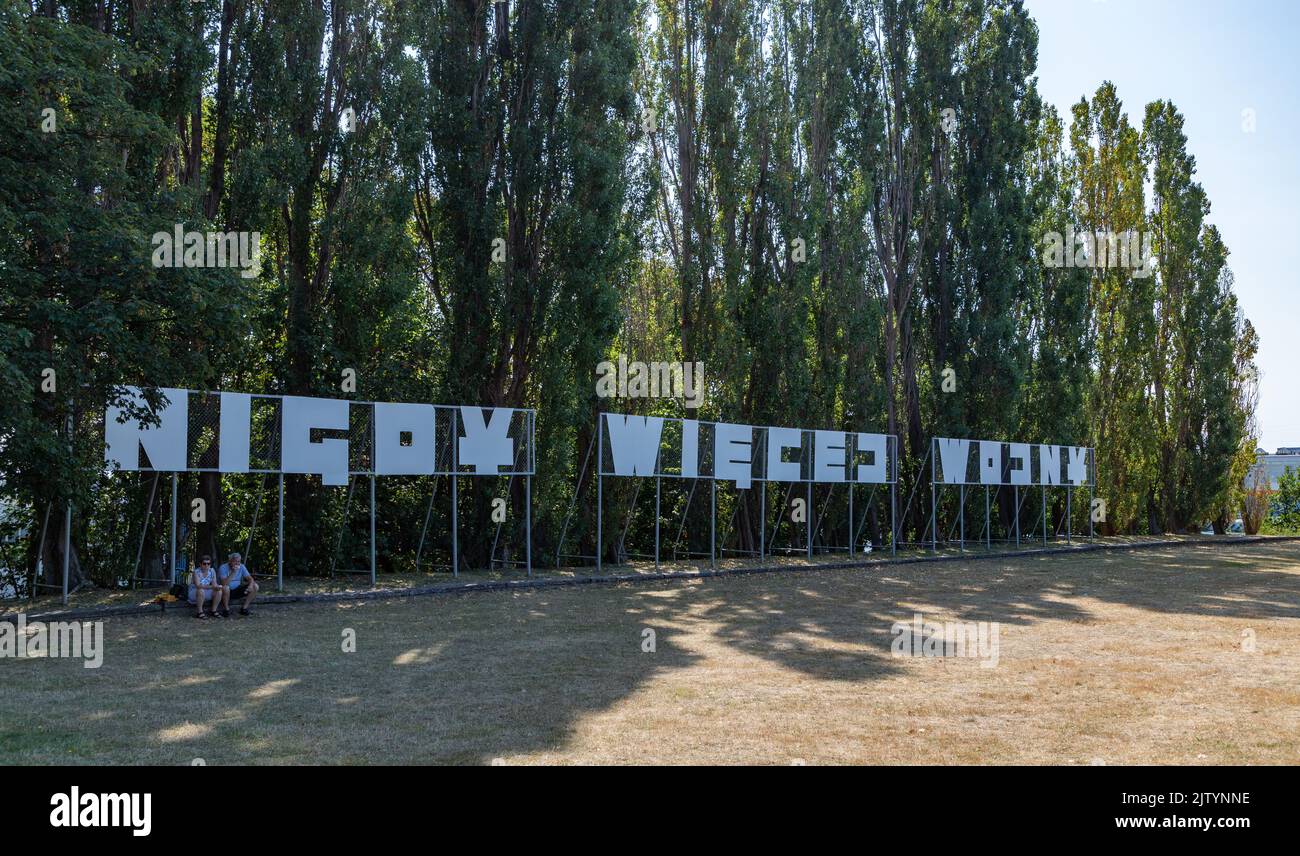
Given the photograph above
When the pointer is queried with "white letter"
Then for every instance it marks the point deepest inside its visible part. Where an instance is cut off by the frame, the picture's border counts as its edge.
(1019, 452)
(391, 457)
(637, 380)
(828, 466)
(162, 254)
(1083, 253)
(1049, 464)
(1053, 250)
(164, 443)
(236, 425)
(1078, 464)
(988, 644)
(486, 445)
(193, 256)
(690, 448)
(143, 821)
(93, 645)
(953, 457)
(902, 643)
(633, 443)
(693, 384)
(990, 462)
(875, 445)
(605, 380)
(778, 440)
(250, 254)
(298, 454)
(733, 453)
(59, 817)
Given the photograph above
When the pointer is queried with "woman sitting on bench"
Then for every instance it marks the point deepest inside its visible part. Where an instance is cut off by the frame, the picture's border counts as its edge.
(204, 587)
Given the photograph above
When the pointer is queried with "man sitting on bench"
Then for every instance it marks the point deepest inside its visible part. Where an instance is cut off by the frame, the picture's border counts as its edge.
(236, 583)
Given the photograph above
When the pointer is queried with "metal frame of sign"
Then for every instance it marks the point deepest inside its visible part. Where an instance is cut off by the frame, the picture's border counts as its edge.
(412, 435)
(472, 453)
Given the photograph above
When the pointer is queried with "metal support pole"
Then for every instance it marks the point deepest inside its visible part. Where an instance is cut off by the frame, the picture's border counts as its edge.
(893, 514)
(686, 510)
(851, 527)
(38, 570)
(1090, 474)
(373, 550)
(1044, 515)
(962, 515)
(528, 496)
(424, 530)
(988, 521)
(577, 490)
(279, 543)
(1068, 509)
(658, 486)
(257, 512)
(762, 520)
(67, 549)
(171, 568)
(509, 497)
(600, 489)
(934, 506)
(893, 504)
(139, 551)
(713, 522)
(455, 497)
(343, 526)
(808, 519)
(1016, 496)
(67, 525)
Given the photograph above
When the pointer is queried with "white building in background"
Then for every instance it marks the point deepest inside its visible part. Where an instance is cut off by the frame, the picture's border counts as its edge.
(1275, 465)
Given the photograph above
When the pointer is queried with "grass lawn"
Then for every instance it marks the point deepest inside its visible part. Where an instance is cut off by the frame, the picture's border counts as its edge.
(1111, 657)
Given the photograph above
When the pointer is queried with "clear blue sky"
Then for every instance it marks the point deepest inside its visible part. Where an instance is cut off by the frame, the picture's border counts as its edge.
(1212, 60)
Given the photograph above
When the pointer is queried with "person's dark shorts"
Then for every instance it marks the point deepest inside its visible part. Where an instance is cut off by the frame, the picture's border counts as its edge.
(237, 593)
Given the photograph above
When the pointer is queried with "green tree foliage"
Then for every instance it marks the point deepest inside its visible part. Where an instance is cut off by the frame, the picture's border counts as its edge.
(1108, 198)
(520, 200)
(827, 203)
(83, 188)
(1285, 511)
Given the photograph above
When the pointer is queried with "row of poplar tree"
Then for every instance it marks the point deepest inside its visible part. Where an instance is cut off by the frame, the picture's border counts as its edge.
(827, 203)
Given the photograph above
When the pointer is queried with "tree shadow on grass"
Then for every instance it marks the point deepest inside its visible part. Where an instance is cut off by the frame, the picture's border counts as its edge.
(853, 605)
(432, 680)
(475, 678)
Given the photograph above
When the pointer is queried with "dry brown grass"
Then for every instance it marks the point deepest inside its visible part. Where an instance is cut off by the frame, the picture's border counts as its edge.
(1113, 657)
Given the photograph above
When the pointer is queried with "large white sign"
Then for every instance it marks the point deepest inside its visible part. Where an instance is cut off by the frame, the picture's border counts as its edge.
(686, 448)
(233, 432)
(992, 462)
